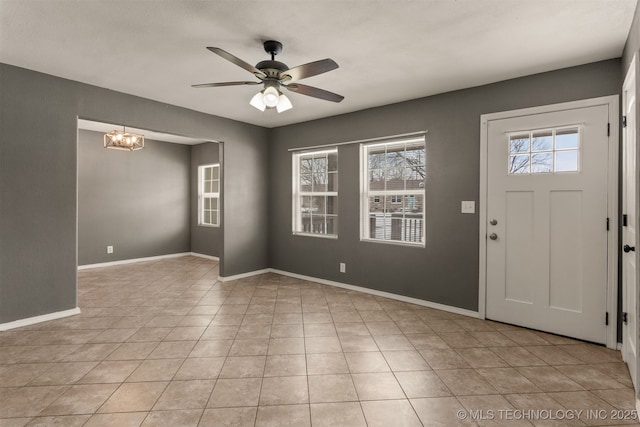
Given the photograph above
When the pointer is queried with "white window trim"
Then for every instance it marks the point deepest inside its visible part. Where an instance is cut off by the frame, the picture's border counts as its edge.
(202, 195)
(365, 193)
(296, 218)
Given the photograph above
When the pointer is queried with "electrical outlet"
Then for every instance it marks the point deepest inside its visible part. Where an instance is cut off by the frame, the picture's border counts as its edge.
(343, 267)
(109, 249)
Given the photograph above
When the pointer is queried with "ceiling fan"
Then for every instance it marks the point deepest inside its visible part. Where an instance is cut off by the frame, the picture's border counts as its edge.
(274, 75)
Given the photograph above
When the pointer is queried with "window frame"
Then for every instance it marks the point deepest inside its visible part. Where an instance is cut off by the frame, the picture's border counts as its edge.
(202, 195)
(297, 193)
(366, 194)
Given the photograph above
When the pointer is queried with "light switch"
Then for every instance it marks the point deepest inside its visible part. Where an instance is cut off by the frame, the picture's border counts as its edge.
(468, 206)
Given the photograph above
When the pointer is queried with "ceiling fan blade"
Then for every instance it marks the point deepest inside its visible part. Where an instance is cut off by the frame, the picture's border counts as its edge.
(239, 62)
(315, 92)
(225, 84)
(311, 69)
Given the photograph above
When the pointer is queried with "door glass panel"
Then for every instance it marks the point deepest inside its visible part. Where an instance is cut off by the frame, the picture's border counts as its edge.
(567, 138)
(519, 164)
(545, 151)
(519, 144)
(567, 161)
(542, 141)
(541, 163)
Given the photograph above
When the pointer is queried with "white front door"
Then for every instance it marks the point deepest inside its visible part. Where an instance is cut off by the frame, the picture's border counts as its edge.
(629, 225)
(546, 214)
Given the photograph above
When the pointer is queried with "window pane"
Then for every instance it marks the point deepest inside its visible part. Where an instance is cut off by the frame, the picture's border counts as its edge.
(305, 182)
(519, 164)
(207, 203)
(306, 165)
(376, 159)
(207, 217)
(319, 182)
(208, 174)
(215, 186)
(542, 141)
(415, 155)
(318, 205)
(567, 138)
(395, 179)
(379, 225)
(376, 179)
(519, 144)
(318, 224)
(541, 163)
(319, 164)
(214, 203)
(208, 188)
(567, 161)
(216, 172)
(414, 178)
(306, 223)
(305, 204)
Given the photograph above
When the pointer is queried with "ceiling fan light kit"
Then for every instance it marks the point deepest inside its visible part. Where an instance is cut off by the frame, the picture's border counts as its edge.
(274, 75)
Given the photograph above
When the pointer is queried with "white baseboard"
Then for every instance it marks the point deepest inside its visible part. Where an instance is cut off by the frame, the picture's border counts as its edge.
(384, 294)
(389, 295)
(130, 261)
(243, 275)
(38, 319)
(211, 257)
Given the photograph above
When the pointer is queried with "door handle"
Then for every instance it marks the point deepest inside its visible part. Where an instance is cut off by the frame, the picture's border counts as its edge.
(628, 248)
(493, 236)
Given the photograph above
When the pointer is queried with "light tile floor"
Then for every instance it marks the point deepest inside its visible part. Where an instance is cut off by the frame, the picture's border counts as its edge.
(164, 343)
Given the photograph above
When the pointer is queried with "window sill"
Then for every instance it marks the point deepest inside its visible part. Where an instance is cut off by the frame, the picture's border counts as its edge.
(322, 236)
(394, 242)
(208, 226)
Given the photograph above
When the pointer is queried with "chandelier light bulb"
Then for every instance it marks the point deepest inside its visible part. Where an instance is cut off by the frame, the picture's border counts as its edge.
(270, 96)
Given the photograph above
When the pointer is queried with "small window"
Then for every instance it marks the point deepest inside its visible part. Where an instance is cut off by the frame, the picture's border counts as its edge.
(544, 151)
(315, 193)
(209, 195)
(393, 194)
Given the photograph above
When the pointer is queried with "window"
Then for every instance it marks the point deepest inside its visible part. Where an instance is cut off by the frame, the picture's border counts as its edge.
(544, 151)
(392, 198)
(209, 195)
(315, 193)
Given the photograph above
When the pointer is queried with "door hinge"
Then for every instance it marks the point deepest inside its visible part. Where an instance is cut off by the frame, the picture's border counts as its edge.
(624, 121)
(624, 220)
(608, 129)
(606, 318)
(625, 318)
(607, 224)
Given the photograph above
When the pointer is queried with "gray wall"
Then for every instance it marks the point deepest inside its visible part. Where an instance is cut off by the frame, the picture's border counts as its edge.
(446, 270)
(38, 171)
(138, 201)
(204, 240)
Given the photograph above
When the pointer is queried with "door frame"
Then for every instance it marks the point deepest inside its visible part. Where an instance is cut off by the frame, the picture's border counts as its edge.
(631, 78)
(612, 102)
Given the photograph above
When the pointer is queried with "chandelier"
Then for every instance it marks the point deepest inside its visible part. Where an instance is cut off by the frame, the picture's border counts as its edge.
(123, 140)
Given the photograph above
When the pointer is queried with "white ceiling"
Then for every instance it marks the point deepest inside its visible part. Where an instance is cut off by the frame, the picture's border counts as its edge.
(388, 50)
